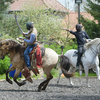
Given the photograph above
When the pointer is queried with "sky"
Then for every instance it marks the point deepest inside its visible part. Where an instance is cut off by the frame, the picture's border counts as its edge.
(62, 2)
(70, 4)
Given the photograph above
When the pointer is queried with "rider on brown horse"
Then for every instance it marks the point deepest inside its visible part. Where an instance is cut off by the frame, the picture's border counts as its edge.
(31, 43)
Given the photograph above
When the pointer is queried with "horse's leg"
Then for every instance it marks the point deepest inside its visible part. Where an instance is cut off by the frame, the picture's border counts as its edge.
(44, 84)
(72, 69)
(70, 82)
(16, 76)
(86, 74)
(97, 72)
(59, 76)
(7, 78)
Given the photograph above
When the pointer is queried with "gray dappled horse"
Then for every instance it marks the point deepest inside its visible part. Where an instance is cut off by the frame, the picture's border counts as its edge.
(89, 60)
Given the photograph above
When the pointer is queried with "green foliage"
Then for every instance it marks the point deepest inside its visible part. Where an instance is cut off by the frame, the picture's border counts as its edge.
(92, 27)
(91, 74)
(4, 65)
(5, 36)
(10, 27)
(3, 7)
(45, 21)
(55, 72)
(57, 48)
(3, 76)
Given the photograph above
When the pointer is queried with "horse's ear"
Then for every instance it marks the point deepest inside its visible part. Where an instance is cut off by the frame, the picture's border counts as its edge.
(8, 45)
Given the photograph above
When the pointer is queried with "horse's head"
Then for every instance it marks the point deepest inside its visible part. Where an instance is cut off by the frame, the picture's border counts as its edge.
(4, 48)
(8, 45)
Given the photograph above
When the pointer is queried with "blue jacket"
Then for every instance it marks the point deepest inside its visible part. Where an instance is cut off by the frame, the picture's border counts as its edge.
(32, 38)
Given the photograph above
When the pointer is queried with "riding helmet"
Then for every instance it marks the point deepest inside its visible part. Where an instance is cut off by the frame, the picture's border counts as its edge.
(29, 25)
(78, 27)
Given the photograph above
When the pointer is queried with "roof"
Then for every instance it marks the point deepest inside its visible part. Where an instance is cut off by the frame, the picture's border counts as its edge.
(46, 4)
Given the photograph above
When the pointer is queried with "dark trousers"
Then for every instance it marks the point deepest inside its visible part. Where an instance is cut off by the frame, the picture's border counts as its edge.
(80, 52)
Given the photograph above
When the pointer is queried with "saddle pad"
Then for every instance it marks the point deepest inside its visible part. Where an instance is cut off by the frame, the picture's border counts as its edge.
(40, 52)
(38, 57)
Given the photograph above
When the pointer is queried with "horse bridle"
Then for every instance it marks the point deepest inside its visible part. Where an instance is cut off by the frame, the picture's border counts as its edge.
(1, 52)
(94, 51)
(2, 56)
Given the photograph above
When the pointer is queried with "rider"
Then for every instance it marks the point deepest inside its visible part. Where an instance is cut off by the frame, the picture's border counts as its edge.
(81, 37)
(31, 43)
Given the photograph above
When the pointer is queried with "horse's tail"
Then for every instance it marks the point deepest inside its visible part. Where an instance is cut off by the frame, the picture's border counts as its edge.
(65, 66)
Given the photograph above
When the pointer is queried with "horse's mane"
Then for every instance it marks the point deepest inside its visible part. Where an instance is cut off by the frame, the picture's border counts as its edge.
(14, 44)
(92, 42)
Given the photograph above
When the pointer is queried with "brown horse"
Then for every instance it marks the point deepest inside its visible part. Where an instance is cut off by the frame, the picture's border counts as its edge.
(14, 49)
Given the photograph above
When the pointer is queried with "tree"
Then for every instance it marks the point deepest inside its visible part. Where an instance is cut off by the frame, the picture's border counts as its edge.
(92, 27)
(4, 4)
(46, 22)
(3, 7)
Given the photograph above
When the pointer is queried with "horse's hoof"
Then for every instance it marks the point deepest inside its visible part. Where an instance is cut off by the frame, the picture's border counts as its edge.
(9, 81)
(57, 82)
(72, 84)
(39, 90)
(22, 83)
(43, 90)
(89, 86)
(99, 78)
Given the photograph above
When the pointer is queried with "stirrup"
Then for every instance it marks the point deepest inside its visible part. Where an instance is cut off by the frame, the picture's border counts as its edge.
(30, 68)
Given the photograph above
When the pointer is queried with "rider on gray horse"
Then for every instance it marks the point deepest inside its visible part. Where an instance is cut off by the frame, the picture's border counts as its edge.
(81, 37)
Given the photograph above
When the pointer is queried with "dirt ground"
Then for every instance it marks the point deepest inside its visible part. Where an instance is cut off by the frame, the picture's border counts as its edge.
(62, 91)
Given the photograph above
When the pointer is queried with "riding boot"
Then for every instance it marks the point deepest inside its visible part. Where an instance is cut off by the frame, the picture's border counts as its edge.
(77, 65)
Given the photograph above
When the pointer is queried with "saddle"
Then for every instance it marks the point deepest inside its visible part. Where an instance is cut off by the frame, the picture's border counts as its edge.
(36, 56)
(76, 53)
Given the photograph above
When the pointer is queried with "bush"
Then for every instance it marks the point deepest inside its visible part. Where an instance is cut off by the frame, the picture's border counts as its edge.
(57, 48)
(4, 65)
